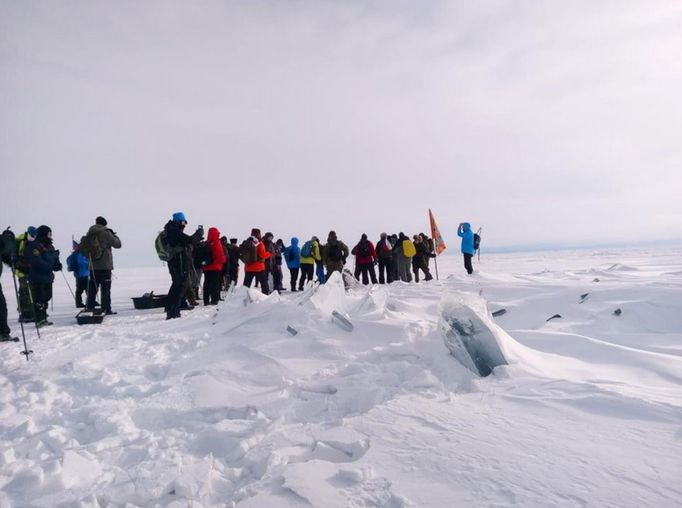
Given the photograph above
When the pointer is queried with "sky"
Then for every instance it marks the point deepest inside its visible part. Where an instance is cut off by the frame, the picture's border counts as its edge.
(543, 122)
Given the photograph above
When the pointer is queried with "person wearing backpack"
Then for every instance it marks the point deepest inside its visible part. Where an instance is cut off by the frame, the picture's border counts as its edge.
(384, 252)
(178, 247)
(21, 268)
(467, 235)
(225, 272)
(277, 274)
(96, 246)
(8, 249)
(44, 261)
(310, 255)
(253, 254)
(213, 270)
(365, 257)
(292, 257)
(233, 261)
(403, 253)
(334, 254)
(78, 264)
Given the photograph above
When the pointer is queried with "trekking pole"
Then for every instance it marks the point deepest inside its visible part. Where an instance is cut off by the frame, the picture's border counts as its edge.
(26, 351)
(435, 261)
(69, 286)
(91, 273)
(479, 249)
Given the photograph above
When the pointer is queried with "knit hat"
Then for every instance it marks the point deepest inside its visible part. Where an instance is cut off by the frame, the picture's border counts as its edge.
(32, 231)
(255, 232)
(179, 217)
(101, 221)
(43, 232)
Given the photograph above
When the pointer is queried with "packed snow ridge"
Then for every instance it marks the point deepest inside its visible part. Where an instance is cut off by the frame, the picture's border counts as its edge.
(370, 396)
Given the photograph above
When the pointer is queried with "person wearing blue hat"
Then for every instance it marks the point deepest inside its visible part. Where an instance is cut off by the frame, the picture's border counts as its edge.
(179, 247)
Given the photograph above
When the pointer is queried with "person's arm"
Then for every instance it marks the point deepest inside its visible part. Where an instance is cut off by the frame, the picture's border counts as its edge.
(110, 238)
(262, 252)
(317, 252)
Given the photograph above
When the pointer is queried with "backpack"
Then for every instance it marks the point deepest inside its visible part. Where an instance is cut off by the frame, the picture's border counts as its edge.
(202, 255)
(334, 252)
(409, 249)
(8, 246)
(307, 250)
(163, 248)
(477, 241)
(248, 252)
(363, 249)
(91, 246)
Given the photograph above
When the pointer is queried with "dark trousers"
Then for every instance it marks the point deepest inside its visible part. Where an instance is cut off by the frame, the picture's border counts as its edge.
(42, 294)
(4, 328)
(307, 271)
(277, 276)
(233, 273)
(467, 263)
(261, 278)
(293, 272)
(100, 279)
(25, 303)
(81, 287)
(180, 281)
(367, 271)
(385, 266)
(211, 287)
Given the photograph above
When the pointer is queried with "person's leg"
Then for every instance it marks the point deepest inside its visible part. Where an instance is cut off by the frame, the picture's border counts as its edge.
(81, 287)
(293, 275)
(208, 287)
(467, 263)
(415, 270)
(92, 290)
(364, 270)
(248, 278)
(39, 302)
(277, 276)
(264, 284)
(215, 295)
(319, 268)
(4, 327)
(104, 282)
(358, 270)
(372, 274)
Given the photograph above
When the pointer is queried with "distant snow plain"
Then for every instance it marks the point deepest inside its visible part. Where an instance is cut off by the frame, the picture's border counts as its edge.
(224, 407)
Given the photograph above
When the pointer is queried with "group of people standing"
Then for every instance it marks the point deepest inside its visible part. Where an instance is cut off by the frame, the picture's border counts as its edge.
(34, 261)
(190, 257)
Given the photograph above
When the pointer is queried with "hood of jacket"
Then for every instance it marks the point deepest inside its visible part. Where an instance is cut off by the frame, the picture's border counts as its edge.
(213, 234)
(294, 241)
(466, 227)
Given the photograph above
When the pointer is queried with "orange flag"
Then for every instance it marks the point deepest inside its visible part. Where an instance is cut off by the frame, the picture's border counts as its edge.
(438, 243)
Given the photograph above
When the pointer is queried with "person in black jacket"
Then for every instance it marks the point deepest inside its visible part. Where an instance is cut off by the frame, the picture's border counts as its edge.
(384, 251)
(7, 255)
(180, 261)
(43, 260)
(233, 261)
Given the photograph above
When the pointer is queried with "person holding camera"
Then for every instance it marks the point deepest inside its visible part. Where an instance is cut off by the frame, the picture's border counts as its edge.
(179, 246)
(99, 241)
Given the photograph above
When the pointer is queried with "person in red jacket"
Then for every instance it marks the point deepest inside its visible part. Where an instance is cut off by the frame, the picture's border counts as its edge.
(213, 271)
(255, 268)
(365, 256)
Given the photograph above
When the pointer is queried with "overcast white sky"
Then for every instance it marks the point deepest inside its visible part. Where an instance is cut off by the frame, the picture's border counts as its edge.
(545, 122)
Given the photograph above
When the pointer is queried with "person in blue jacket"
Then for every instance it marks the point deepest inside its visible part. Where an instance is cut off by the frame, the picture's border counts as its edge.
(467, 235)
(78, 264)
(292, 256)
(43, 260)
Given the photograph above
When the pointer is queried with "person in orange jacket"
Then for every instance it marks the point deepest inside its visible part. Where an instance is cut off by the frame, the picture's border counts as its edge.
(213, 270)
(254, 260)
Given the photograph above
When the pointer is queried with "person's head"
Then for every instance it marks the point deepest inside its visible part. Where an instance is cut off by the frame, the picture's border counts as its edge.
(43, 233)
(255, 232)
(331, 236)
(268, 236)
(363, 237)
(101, 221)
(180, 219)
(315, 239)
(223, 240)
(233, 241)
(31, 233)
(294, 241)
(466, 226)
(383, 236)
(280, 242)
(417, 238)
(402, 236)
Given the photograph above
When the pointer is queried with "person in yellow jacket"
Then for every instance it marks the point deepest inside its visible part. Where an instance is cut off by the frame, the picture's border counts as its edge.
(22, 267)
(310, 255)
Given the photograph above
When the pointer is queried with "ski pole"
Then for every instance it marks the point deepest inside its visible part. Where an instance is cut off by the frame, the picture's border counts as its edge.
(69, 286)
(26, 351)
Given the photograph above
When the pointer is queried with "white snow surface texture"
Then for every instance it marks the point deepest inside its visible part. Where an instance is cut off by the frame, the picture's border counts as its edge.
(224, 407)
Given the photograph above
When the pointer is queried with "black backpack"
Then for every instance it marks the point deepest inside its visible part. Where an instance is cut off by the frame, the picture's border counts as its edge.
(477, 241)
(364, 250)
(8, 246)
(334, 252)
(202, 255)
(248, 252)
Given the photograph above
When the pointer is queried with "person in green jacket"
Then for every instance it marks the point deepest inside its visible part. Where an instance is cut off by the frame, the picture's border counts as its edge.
(100, 241)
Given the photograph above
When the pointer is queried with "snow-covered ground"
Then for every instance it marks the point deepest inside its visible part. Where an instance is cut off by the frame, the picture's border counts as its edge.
(224, 407)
